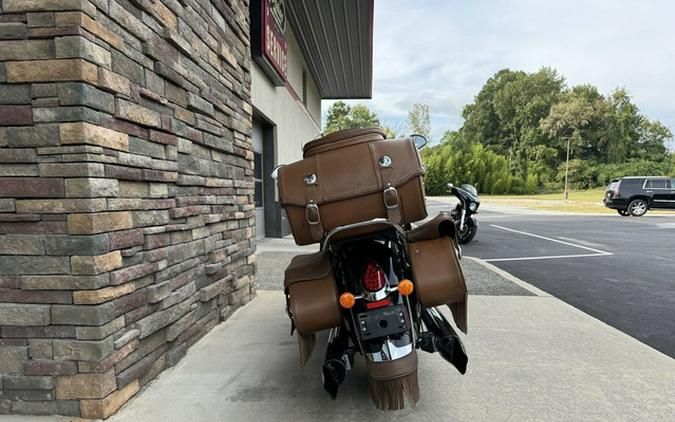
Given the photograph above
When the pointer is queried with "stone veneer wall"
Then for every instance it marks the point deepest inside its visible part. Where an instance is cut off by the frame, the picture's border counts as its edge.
(126, 193)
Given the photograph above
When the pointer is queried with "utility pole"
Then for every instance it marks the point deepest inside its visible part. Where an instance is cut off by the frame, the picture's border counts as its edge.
(567, 169)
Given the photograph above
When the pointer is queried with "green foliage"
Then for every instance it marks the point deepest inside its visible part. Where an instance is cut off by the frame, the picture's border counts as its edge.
(340, 115)
(457, 161)
(515, 136)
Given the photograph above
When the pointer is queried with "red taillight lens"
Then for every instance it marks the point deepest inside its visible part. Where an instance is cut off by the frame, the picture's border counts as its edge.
(373, 277)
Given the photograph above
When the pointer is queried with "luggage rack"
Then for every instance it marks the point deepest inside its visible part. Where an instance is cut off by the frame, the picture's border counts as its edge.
(358, 225)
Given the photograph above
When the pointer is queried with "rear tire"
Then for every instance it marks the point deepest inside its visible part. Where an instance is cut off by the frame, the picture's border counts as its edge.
(623, 213)
(638, 207)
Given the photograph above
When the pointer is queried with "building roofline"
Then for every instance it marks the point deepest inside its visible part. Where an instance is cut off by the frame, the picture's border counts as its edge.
(336, 39)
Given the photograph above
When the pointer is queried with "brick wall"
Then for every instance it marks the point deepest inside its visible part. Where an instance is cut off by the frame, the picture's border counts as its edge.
(126, 193)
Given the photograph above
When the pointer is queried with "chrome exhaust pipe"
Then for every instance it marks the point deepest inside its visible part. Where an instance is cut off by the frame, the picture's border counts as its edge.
(445, 341)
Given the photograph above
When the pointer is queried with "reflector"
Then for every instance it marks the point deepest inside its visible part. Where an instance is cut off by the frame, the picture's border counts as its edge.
(378, 304)
(347, 300)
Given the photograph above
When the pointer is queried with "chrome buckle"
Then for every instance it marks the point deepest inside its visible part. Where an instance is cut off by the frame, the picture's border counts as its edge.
(387, 193)
(314, 209)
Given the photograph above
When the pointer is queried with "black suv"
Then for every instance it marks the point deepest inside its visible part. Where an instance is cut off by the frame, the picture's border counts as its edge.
(635, 195)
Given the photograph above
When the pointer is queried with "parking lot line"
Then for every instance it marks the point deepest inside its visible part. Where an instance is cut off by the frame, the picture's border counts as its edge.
(596, 252)
(531, 258)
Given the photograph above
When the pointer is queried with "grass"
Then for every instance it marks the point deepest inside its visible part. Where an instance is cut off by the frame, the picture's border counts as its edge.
(590, 196)
(579, 201)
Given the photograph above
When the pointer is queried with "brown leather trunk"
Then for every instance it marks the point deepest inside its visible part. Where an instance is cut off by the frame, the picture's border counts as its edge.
(437, 274)
(349, 177)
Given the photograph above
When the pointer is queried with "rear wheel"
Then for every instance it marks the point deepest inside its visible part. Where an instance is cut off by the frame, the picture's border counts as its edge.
(623, 213)
(637, 207)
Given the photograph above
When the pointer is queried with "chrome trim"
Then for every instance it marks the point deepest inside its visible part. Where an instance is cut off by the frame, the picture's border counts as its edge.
(387, 206)
(375, 296)
(361, 224)
(651, 179)
(390, 351)
(275, 173)
(314, 207)
(385, 161)
(378, 295)
(310, 179)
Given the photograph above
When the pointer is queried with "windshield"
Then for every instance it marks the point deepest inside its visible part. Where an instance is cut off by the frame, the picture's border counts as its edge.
(470, 189)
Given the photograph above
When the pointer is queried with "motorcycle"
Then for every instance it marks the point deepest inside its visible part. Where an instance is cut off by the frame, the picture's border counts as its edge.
(376, 283)
(463, 213)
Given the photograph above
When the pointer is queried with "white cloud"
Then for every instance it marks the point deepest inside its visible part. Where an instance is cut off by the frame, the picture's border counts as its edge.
(442, 52)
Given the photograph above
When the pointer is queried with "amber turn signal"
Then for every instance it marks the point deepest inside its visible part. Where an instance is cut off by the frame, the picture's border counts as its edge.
(347, 300)
(405, 287)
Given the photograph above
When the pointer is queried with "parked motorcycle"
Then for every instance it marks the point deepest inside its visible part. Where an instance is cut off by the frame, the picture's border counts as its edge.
(463, 213)
(376, 282)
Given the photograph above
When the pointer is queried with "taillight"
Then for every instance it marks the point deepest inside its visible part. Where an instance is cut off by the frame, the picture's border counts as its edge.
(373, 277)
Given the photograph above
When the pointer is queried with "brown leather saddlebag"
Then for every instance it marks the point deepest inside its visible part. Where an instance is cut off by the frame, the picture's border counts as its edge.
(348, 177)
(312, 298)
(437, 274)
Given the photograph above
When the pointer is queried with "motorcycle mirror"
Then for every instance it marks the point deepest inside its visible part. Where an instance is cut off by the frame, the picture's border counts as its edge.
(450, 185)
(419, 140)
(275, 172)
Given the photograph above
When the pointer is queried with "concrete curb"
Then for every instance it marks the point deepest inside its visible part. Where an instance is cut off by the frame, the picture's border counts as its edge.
(515, 280)
(541, 293)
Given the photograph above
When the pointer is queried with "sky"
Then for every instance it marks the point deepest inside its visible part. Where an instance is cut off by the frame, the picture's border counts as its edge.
(440, 53)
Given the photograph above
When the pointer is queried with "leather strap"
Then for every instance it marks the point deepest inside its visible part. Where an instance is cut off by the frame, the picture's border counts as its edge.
(312, 214)
(392, 204)
(390, 197)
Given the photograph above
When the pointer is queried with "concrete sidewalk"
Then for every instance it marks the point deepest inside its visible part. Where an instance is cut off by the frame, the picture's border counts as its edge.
(531, 357)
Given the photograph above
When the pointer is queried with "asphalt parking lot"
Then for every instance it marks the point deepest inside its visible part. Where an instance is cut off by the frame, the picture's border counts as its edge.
(620, 270)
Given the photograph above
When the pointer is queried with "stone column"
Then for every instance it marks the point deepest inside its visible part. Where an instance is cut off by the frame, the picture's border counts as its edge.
(126, 193)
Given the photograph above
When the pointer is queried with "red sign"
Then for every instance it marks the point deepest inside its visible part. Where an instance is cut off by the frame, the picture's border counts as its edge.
(274, 43)
(269, 44)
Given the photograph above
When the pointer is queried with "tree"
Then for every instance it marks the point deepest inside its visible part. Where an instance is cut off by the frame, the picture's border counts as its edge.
(418, 120)
(566, 121)
(506, 112)
(653, 136)
(342, 116)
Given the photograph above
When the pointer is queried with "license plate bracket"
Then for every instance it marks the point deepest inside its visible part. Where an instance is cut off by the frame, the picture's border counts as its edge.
(382, 322)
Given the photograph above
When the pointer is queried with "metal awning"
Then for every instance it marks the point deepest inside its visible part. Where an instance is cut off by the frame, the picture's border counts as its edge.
(336, 38)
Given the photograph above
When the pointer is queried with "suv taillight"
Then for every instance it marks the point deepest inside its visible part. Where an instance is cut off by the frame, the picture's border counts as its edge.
(373, 277)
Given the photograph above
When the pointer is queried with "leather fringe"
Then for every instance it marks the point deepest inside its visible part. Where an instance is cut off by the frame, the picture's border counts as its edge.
(306, 344)
(390, 394)
(459, 313)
